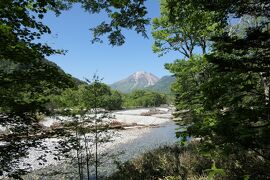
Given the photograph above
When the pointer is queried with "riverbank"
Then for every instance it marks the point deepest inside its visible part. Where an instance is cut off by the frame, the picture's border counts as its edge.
(142, 132)
(171, 162)
(127, 145)
(190, 162)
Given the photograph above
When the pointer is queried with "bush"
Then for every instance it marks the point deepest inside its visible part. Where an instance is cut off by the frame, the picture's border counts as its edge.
(83, 96)
(143, 98)
(169, 162)
(177, 162)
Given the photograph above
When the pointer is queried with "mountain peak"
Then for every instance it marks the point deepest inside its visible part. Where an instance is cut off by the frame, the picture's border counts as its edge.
(140, 72)
(137, 80)
(142, 75)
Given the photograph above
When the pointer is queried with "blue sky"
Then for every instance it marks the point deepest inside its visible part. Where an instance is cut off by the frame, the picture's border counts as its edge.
(70, 31)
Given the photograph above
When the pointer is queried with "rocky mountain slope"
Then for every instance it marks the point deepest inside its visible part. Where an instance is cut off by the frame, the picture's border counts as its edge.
(138, 80)
(144, 80)
(163, 85)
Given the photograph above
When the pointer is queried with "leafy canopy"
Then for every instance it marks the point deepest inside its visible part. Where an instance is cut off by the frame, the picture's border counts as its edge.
(223, 96)
(190, 28)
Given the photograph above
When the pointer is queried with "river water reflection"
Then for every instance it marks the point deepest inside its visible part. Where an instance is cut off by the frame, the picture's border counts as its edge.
(154, 138)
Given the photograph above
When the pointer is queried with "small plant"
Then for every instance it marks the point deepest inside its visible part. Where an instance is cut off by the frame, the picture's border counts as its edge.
(87, 132)
(214, 171)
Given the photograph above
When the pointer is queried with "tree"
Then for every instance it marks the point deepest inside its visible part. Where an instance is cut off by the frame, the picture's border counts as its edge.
(22, 98)
(24, 91)
(81, 97)
(189, 77)
(24, 83)
(114, 101)
(144, 98)
(127, 14)
(190, 28)
(234, 113)
(88, 130)
(184, 28)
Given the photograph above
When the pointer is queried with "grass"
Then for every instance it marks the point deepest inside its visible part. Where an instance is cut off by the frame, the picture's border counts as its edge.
(187, 163)
(177, 163)
(169, 162)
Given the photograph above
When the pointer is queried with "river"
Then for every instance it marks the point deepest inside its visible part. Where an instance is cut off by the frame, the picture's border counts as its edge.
(129, 144)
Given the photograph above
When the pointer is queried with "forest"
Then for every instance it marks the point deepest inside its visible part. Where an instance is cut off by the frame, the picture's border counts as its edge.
(220, 94)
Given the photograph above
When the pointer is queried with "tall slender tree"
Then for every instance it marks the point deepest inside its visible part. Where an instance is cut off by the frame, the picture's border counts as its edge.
(24, 88)
(234, 116)
(188, 30)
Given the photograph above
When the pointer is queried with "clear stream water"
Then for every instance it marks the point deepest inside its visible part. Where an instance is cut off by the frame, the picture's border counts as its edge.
(151, 139)
(154, 138)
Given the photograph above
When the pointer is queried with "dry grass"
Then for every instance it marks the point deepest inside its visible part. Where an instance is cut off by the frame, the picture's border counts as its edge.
(169, 163)
(152, 112)
(186, 163)
(115, 123)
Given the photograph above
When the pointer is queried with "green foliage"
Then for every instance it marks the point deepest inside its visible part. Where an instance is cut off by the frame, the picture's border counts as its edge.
(24, 94)
(21, 25)
(188, 79)
(82, 98)
(187, 162)
(23, 91)
(25, 77)
(114, 101)
(27, 81)
(237, 94)
(143, 98)
(214, 171)
(223, 96)
(225, 93)
(190, 28)
(127, 14)
(175, 162)
(88, 129)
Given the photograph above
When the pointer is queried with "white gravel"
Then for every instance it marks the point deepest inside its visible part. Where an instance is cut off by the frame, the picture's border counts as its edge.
(34, 153)
(140, 120)
(123, 116)
(134, 116)
(124, 136)
(49, 121)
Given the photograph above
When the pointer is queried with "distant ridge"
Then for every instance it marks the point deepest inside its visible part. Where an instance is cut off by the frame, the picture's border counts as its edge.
(163, 85)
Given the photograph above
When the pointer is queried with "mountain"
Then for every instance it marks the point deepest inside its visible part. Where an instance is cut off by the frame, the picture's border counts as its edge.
(144, 80)
(40, 69)
(138, 80)
(163, 85)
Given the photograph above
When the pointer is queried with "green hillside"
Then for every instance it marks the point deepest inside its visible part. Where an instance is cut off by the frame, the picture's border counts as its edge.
(163, 85)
